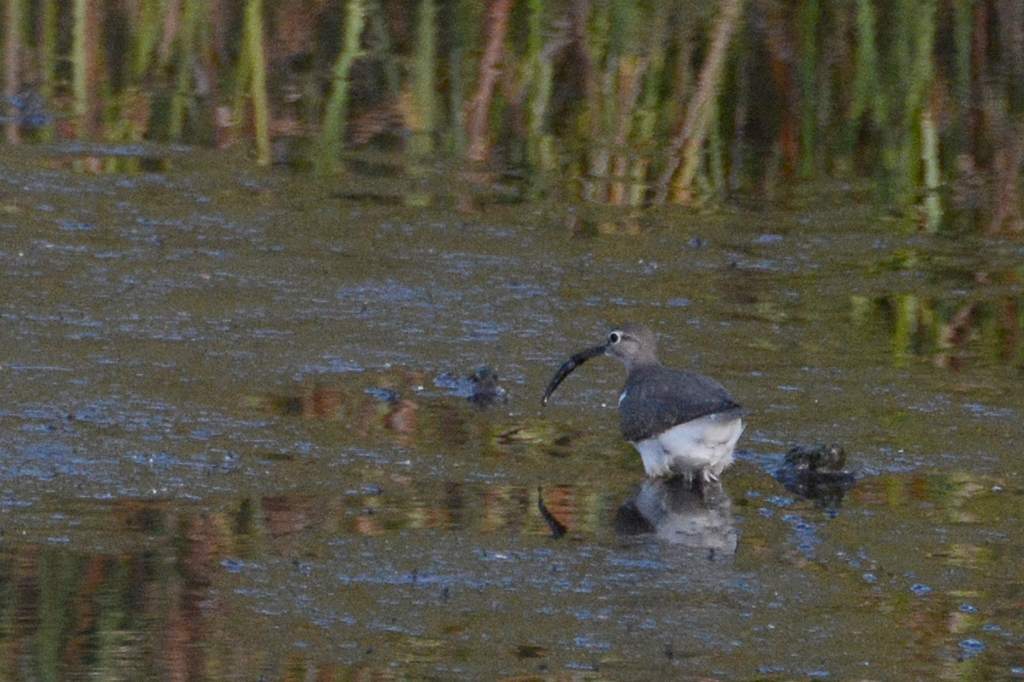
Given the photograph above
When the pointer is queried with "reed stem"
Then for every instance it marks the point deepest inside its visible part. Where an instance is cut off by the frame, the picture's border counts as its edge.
(258, 79)
(333, 125)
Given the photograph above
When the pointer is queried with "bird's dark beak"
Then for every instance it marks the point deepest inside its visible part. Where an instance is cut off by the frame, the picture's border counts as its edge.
(571, 364)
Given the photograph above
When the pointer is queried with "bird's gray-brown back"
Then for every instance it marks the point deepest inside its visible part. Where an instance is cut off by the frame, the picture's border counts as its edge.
(657, 398)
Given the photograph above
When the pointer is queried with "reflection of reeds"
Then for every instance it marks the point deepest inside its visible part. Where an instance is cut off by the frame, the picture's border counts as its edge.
(921, 73)
(257, 79)
(685, 149)
(910, 91)
(383, 50)
(479, 109)
(962, 77)
(49, 30)
(333, 123)
(12, 48)
(424, 86)
(930, 156)
(538, 75)
(80, 62)
(1007, 166)
(182, 97)
(947, 331)
(865, 81)
(147, 33)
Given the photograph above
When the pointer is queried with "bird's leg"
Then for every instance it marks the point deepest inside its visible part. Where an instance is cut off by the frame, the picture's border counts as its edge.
(701, 480)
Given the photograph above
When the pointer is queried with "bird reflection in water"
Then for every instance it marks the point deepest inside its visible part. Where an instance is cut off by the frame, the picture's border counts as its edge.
(674, 512)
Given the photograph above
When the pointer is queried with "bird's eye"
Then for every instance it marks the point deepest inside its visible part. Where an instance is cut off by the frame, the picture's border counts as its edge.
(614, 337)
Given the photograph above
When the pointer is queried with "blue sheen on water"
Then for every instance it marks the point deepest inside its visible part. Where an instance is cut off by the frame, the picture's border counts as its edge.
(972, 647)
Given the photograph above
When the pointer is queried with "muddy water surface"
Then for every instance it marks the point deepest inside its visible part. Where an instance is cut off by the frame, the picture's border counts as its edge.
(235, 441)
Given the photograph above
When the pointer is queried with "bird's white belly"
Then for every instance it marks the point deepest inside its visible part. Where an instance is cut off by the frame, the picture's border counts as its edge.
(702, 445)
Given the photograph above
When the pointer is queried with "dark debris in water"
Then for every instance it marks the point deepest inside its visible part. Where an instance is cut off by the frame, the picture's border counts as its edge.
(482, 387)
(531, 651)
(376, 198)
(818, 458)
(817, 473)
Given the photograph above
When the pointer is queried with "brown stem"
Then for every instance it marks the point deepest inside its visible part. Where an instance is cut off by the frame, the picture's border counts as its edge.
(480, 105)
(172, 24)
(690, 138)
(630, 74)
(94, 67)
(1006, 208)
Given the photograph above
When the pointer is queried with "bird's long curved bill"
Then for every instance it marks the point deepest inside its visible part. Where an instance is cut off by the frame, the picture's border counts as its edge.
(567, 368)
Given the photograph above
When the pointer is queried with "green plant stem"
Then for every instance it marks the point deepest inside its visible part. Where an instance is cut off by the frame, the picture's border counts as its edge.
(333, 125)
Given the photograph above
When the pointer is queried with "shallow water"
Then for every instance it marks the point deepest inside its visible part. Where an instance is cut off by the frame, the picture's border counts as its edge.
(233, 443)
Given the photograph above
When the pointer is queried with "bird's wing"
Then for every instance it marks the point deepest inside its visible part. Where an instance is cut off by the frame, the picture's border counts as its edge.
(656, 399)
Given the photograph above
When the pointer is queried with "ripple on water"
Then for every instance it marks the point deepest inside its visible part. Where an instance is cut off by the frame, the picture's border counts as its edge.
(990, 412)
(971, 647)
(331, 364)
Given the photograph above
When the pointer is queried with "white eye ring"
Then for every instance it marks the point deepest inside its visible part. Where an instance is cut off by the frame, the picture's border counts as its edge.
(614, 337)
